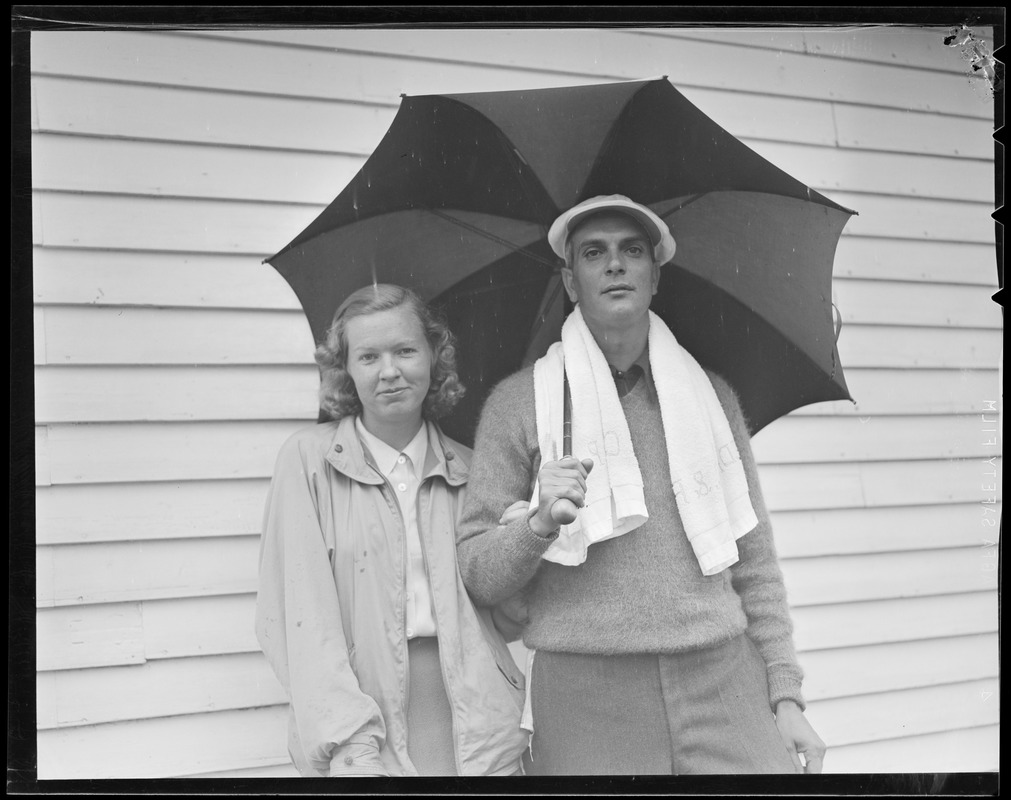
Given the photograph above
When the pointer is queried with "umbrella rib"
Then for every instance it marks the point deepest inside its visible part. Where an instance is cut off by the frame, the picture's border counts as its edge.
(491, 236)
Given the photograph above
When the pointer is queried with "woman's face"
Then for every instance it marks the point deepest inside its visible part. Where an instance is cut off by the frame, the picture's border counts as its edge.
(390, 362)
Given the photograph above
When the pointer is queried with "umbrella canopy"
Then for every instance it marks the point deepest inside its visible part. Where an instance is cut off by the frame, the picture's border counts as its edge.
(457, 199)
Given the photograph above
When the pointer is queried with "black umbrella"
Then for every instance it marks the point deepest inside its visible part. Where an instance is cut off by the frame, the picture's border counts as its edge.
(457, 199)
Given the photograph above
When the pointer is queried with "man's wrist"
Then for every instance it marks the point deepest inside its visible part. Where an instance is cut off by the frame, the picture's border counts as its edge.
(539, 526)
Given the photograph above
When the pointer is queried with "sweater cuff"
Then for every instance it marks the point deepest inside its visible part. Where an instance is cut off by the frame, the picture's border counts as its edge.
(357, 758)
(785, 686)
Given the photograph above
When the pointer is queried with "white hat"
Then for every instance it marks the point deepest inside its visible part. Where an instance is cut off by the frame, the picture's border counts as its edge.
(659, 233)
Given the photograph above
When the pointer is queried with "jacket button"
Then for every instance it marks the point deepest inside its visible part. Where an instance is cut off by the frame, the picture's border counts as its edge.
(348, 760)
(339, 448)
(450, 455)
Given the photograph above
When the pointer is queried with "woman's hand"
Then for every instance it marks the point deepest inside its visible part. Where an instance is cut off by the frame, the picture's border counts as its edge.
(516, 511)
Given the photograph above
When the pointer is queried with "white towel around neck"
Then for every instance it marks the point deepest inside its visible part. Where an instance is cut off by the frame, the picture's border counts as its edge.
(708, 479)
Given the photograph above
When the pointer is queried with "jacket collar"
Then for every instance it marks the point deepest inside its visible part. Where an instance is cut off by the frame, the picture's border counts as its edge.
(347, 456)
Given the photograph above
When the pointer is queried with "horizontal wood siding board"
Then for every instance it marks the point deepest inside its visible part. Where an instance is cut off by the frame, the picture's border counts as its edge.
(883, 392)
(196, 225)
(908, 260)
(894, 715)
(89, 636)
(850, 531)
(386, 63)
(164, 748)
(880, 576)
(199, 626)
(907, 47)
(168, 393)
(799, 439)
(165, 688)
(120, 166)
(900, 131)
(873, 484)
(932, 755)
(78, 335)
(119, 634)
(84, 513)
(119, 572)
(101, 453)
(895, 667)
(903, 619)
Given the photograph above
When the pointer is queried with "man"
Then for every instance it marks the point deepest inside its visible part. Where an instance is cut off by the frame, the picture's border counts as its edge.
(656, 611)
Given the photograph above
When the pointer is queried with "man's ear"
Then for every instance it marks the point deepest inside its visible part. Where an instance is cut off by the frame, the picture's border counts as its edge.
(656, 277)
(567, 282)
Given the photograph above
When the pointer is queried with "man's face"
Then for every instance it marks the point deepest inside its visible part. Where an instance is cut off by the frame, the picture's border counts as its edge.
(612, 274)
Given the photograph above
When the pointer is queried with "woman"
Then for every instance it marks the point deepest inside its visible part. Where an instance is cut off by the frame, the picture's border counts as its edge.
(389, 668)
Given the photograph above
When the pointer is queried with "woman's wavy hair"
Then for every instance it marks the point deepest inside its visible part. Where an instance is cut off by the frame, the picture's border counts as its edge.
(337, 394)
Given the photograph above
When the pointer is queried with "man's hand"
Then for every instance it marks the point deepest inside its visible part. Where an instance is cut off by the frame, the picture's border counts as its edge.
(516, 511)
(800, 737)
(562, 492)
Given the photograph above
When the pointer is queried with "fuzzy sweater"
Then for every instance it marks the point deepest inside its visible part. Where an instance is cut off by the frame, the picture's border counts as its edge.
(642, 592)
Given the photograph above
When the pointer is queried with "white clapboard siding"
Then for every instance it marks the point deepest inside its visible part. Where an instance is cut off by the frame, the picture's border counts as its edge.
(69, 276)
(116, 572)
(799, 439)
(922, 391)
(172, 170)
(909, 712)
(896, 302)
(220, 392)
(169, 165)
(126, 110)
(104, 453)
(82, 513)
(81, 163)
(164, 688)
(904, 619)
(940, 754)
(835, 169)
(907, 260)
(119, 634)
(866, 128)
(120, 394)
(884, 45)
(687, 62)
(89, 636)
(166, 747)
(873, 576)
(900, 665)
(842, 531)
(800, 487)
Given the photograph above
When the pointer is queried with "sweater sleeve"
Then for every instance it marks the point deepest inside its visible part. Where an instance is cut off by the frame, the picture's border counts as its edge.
(339, 729)
(495, 561)
(757, 577)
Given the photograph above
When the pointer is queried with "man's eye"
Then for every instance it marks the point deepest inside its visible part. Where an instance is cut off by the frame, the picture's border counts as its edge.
(636, 250)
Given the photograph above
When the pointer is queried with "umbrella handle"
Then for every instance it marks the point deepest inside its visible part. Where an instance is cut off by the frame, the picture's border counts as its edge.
(564, 511)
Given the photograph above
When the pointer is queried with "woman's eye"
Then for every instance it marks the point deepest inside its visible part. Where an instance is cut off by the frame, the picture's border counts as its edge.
(365, 358)
(408, 351)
